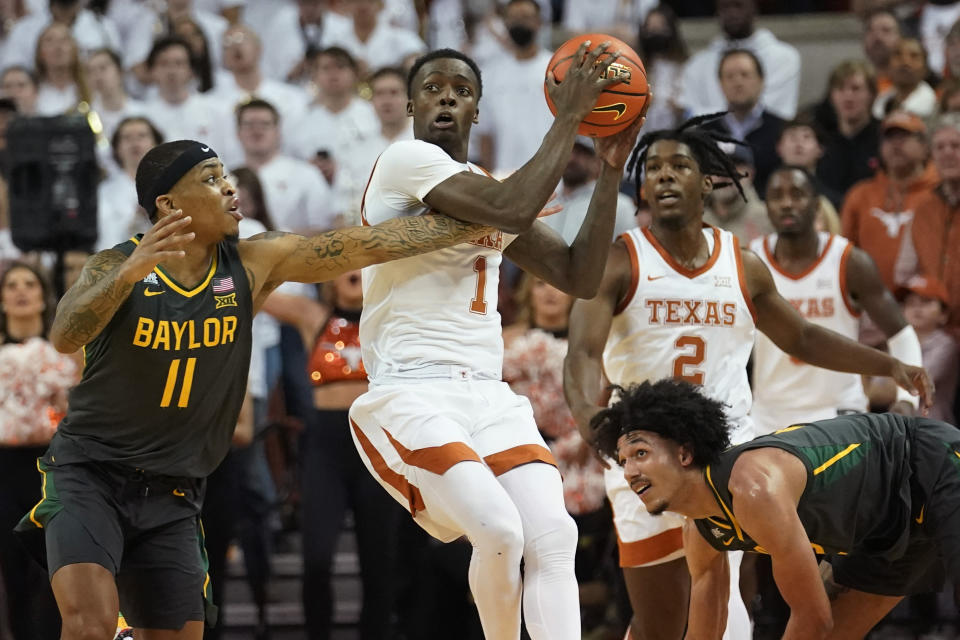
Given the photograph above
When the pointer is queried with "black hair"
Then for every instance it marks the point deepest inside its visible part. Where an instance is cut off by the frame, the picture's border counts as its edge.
(440, 54)
(703, 144)
(383, 72)
(7, 105)
(729, 53)
(341, 54)
(154, 163)
(247, 179)
(535, 4)
(257, 103)
(812, 181)
(166, 42)
(804, 120)
(115, 138)
(672, 409)
(18, 68)
(110, 53)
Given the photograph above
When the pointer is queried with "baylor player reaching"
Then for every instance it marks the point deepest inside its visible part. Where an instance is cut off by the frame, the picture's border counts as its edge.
(879, 494)
(164, 320)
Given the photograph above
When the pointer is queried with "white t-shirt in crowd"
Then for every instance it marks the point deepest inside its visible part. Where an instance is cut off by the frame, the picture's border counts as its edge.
(52, 101)
(387, 46)
(922, 102)
(285, 42)
(196, 118)
(90, 31)
(701, 91)
(575, 204)
(513, 109)
(119, 215)
(290, 100)
(143, 33)
(598, 15)
(321, 129)
(355, 161)
(297, 195)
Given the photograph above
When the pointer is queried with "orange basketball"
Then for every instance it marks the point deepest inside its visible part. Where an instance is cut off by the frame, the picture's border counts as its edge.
(620, 103)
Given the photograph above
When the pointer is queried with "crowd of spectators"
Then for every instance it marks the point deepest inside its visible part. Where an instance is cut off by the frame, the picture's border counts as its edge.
(299, 97)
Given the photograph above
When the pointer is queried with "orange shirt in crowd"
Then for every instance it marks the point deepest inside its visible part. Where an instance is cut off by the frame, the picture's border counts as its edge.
(936, 238)
(875, 214)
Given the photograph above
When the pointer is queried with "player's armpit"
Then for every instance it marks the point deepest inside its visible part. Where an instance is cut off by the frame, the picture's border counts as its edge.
(709, 586)
(91, 302)
(273, 258)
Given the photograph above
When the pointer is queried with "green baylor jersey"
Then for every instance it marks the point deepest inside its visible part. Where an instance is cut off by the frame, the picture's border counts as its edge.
(164, 381)
(858, 496)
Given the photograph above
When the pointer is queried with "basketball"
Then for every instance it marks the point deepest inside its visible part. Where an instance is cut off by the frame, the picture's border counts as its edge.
(620, 103)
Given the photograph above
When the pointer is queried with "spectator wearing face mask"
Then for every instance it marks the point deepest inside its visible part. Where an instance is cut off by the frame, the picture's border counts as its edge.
(663, 52)
(508, 135)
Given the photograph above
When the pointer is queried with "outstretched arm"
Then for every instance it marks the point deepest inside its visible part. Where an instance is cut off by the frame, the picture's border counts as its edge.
(590, 322)
(817, 345)
(578, 268)
(709, 586)
(274, 257)
(108, 278)
(514, 204)
(766, 485)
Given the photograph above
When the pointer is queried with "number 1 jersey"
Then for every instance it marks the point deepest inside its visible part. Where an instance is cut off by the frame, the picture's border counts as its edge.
(693, 324)
(426, 315)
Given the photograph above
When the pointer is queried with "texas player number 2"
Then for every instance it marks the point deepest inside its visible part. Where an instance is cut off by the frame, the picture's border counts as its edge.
(684, 366)
(479, 302)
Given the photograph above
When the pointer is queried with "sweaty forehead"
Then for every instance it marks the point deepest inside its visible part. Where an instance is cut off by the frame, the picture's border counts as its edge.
(448, 67)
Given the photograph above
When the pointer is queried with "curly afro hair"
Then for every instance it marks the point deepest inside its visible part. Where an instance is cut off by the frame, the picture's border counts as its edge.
(672, 409)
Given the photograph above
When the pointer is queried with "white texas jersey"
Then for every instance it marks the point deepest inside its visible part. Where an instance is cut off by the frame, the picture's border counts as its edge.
(787, 390)
(697, 325)
(427, 315)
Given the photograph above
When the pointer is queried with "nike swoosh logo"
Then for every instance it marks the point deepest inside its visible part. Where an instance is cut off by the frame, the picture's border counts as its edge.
(204, 149)
(919, 518)
(727, 543)
(149, 293)
(652, 278)
(619, 107)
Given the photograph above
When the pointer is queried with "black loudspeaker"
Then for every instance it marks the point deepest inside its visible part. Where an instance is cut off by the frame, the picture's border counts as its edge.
(53, 183)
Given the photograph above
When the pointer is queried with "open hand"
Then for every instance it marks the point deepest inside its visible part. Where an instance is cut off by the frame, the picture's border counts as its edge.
(585, 79)
(615, 150)
(164, 241)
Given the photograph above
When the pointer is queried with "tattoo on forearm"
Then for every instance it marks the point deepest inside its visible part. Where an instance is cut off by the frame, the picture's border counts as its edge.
(90, 304)
(355, 247)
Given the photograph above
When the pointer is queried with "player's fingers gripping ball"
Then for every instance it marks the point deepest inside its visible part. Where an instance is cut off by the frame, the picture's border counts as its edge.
(620, 103)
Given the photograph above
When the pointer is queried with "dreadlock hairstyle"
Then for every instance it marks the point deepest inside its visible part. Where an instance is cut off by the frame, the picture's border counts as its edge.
(704, 144)
(672, 409)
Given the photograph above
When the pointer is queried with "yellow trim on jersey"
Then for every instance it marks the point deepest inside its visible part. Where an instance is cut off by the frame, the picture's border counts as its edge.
(722, 525)
(173, 283)
(957, 453)
(733, 521)
(793, 428)
(829, 463)
(43, 496)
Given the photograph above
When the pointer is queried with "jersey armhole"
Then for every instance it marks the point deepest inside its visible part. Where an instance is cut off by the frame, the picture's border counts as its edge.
(634, 274)
(363, 199)
(742, 277)
(844, 291)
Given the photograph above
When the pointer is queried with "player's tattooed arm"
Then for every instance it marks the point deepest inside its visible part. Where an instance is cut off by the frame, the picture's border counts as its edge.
(272, 258)
(91, 302)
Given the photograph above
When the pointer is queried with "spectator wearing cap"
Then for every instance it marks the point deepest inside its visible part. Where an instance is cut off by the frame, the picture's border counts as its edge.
(934, 236)
(337, 114)
(701, 88)
(741, 78)
(743, 215)
(909, 90)
(926, 308)
(295, 192)
(876, 211)
(800, 145)
(850, 149)
(576, 188)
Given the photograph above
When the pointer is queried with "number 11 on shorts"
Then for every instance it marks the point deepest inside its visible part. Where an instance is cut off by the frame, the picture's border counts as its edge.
(479, 302)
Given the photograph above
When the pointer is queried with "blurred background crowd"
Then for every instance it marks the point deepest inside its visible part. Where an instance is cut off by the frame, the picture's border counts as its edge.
(299, 97)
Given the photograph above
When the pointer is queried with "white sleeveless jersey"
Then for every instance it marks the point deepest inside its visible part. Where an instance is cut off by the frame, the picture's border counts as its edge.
(787, 390)
(428, 315)
(697, 325)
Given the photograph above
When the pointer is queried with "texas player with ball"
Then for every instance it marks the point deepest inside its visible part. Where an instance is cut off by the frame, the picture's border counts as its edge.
(438, 429)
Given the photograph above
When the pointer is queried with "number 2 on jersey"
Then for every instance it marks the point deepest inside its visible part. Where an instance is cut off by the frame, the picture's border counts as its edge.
(479, 302)
(172, 376)
(683, 365)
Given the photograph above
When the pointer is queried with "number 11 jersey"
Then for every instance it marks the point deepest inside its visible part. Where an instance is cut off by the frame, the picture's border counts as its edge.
(694, 324)
(428, 315)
